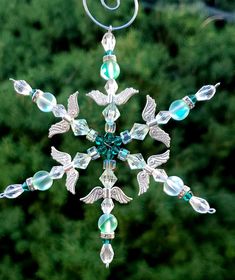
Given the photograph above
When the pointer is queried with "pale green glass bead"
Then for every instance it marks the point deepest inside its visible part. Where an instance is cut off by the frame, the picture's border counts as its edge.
(46, 102)
(107, 223)
(42, 180)
(110, 70)
(179, 110)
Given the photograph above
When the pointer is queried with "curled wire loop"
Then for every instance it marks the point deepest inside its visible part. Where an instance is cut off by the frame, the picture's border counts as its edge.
(111, 8)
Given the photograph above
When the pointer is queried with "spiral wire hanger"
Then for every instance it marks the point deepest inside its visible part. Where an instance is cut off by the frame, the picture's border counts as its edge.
(112, 8)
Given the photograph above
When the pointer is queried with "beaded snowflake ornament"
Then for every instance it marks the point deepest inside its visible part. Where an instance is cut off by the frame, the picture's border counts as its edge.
(110, 146)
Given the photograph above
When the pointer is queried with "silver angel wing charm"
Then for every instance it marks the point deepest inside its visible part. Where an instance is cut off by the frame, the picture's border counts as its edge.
(157, 160)
(58, 128)
(73, 108)
(149, 111)
(124, 96)
(71, 180)
(61, 157)
(94, 195)
(160, 135)
(143, 181)
(100, 98)
(119, 195)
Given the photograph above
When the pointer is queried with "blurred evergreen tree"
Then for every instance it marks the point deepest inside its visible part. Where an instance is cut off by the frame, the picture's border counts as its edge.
(167, 53)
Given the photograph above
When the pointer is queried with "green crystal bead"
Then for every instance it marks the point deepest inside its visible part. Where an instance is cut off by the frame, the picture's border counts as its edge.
(115, 150)
(106, 241)
(110, 70)
(42, 180)
(118, 141)
(25, 187)
(187, 196)
(193, 98)
(102, 150)
(99, 140)
(107, 223)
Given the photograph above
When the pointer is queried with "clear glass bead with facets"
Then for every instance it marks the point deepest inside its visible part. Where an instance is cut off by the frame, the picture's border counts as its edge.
(22, 87)
(59, 111)
(80, 127)
(111, 86)
(81, 160)
(107, 205)
(111, 113)
(200, 205)
(57, 172)
(159, 175)
(108, 41)
(108, 178)
(106, 254)
(139, 131)
(136, 161)
(163, 117)
(13, 191)
(205, 93)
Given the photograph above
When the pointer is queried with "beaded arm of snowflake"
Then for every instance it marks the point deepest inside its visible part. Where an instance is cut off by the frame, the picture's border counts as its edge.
(110, 146)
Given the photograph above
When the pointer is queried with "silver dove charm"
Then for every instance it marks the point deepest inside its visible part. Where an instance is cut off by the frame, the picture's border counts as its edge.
(98, 193)
(159, 175)
(66, 161)
(67, 118)
(152, 122)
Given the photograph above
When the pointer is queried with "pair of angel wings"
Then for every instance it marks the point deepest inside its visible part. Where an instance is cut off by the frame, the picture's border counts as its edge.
(72, 112)
(155, 131)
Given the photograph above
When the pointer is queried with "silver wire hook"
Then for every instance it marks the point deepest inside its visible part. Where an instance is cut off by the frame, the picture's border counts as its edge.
(111, 8)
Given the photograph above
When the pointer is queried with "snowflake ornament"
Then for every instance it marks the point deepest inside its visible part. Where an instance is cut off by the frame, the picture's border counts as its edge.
(110, 147)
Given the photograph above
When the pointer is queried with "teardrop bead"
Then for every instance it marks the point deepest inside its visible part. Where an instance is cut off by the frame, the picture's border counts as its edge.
(206, 93)
(106, 254)
(13, 191)
(42, 180)
(200, 205)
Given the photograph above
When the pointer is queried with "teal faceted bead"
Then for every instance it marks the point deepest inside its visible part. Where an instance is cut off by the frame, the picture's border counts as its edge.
(110, 70)
(118, 141)
(99, 140)
(25, 187)
(46, 101)
(179, 110)
(193, 98)
(107, 223)
(187, 196)
(42, 180)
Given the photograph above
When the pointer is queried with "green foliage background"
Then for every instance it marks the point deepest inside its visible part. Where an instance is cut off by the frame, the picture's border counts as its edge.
(169, 52)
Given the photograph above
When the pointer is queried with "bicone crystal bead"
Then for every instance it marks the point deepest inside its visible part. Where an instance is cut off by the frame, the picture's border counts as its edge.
(200, 205)
(110, 70)
(163, 117)
(81, 160)
(111, 113)
(107, 205)
(106, 254)
(179, 110)
(57, 172)
(108, 178)
(13, 191)
(159, 175)
(107, 223)
(46, 101)
(108, 41)
(173, 186)
(80, 127)
(111, 86)
(206, 92)
(139, 131)
(136, 161)
(42, 180)
(22, 87)
(59, 111)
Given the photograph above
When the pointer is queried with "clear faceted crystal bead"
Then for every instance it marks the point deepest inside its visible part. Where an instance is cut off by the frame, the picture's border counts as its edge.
(163, 117)
(200, 205)
(107, 205)
(205, 93)
(111, 113)
(80, 127)
(111, 86)
(108, 41)
(59, 111)
(13, 191)
(159, 175)
(139, 131)
(108, 178)
(81, 160)
(106, 254)
(57, 172)
(22, 87)
(136, 161)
